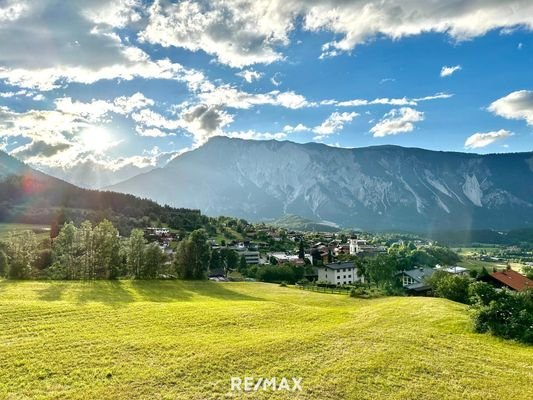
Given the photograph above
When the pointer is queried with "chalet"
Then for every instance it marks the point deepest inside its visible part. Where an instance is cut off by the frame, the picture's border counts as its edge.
(340, 273)
(415, 279)
(511, 280)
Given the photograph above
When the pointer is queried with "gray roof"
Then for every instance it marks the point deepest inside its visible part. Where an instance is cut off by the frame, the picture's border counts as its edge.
(419, 274)
(339, 265)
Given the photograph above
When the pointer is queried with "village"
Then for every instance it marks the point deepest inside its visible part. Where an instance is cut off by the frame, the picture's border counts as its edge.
(337, 259)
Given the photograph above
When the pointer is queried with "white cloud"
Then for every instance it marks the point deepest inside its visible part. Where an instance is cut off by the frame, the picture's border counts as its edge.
(516, 105)
(298, 128)
(333, 124)
(151, 132)
(237, 33)
(49, 44)
(478, 140)
(246, 32)
(152, 119)
(229, 96)
(447, 71)
(254, 135)
(397, 121)
(249, 75)
(11, 10)
(403, 101)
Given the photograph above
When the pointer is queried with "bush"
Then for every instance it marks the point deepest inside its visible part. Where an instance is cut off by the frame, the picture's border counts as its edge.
(358, 292)
(452, 287)
(508, 315)
(278, 274)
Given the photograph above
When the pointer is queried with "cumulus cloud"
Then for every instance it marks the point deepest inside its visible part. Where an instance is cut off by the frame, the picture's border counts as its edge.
(237, 33)
(249, 75)
(232, 97)
(246, 32)
(479, 140)
(47, 44)
(333, 124)
(40, 148)
(447, 71)
(516, 105)
(298, 128)
(204, 121)
(397, 121)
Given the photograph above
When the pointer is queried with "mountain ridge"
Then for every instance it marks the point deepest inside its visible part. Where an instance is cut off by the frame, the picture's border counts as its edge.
(377, 187)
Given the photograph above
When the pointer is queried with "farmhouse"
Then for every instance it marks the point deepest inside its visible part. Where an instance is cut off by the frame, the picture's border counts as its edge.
(415, 279)
(511, 280)
(341, 273)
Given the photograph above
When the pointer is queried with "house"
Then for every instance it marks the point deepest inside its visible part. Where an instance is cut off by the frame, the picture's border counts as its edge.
(362, 248)
(340, 273)
(511, 280)
(415, 279)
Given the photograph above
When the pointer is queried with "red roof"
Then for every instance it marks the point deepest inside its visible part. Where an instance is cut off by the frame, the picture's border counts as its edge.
(513, 279)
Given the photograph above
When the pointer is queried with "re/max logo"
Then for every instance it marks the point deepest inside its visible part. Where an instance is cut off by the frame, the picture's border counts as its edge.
(250, 384)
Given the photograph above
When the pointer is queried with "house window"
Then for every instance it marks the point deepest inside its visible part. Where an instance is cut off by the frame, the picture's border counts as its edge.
(407, 280)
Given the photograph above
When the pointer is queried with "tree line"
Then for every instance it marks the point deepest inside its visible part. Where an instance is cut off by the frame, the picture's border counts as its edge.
(97, 251)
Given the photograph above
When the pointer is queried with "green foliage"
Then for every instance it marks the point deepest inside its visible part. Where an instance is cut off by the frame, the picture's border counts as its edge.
(242, 264)
(153, 261)
(282, 273)
(86, 252)
(528, 271)
(301, 251)
(136, 253)
(506, 314)
(3, 264)
(193, 255)
(449, 286)
(381, 270)
(21, 253)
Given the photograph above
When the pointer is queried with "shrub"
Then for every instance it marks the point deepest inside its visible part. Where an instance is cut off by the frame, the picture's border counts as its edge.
(452, 287)
(508, 315)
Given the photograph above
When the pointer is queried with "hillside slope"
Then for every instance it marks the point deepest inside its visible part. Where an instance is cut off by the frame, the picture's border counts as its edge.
(30, 196)
(384, 187)
(185, 340)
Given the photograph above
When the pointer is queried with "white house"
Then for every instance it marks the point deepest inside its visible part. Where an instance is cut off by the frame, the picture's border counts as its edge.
(341, 273)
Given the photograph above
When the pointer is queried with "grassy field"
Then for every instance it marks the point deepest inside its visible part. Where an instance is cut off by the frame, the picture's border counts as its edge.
(42, 231)
(184, 340)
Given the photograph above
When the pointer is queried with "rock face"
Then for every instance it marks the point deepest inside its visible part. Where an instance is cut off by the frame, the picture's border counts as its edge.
(378, 188)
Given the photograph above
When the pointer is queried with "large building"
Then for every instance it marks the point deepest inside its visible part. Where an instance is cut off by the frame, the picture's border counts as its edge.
(341, 273)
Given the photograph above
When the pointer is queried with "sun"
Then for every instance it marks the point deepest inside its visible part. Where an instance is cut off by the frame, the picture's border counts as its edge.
(96, 139)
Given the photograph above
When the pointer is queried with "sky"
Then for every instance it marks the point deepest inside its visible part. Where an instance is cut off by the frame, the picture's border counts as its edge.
(118, 87)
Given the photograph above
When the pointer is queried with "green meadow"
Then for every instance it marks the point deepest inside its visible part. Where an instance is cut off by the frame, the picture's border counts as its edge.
(42, 231)
(185, 340)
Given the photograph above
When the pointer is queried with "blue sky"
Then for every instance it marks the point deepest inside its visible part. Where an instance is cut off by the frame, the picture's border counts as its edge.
(121, 87)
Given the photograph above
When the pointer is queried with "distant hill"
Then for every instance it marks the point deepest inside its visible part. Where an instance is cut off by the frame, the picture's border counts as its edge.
(29, 196)
(295, 222)
(373, 188)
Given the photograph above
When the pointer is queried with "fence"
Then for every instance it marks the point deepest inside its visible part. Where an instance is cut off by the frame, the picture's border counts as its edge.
(324, 289)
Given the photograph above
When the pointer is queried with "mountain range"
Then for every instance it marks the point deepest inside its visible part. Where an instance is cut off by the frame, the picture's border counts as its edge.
(374, 188)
